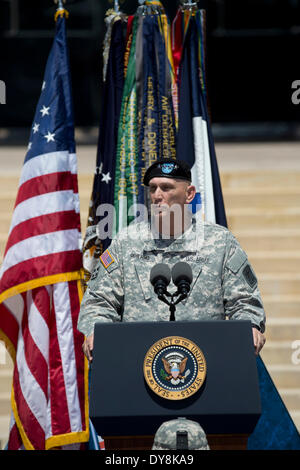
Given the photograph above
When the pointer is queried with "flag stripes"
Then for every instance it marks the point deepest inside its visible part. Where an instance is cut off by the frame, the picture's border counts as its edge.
(48, 163)
(15, 441)
(41, 270)
(46, 339)
(40, 225)
(45, 184)
(40, 289)
(43, 204)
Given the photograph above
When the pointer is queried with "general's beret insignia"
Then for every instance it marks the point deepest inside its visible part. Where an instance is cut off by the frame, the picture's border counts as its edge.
(167, 167)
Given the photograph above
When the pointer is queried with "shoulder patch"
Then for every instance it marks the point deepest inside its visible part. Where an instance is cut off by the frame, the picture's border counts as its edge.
(249, 276)
(237, 261)
(107, 259)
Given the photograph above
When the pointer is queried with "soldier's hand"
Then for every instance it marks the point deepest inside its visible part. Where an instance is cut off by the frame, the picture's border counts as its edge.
(88, 346)
(258, 339)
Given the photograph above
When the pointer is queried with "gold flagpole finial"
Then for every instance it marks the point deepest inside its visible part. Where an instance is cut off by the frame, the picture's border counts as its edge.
(189, 5)
(61, 11)
(150, 7)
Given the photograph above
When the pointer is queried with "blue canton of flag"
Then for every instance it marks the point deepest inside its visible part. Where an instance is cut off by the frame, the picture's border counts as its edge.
(53, 126)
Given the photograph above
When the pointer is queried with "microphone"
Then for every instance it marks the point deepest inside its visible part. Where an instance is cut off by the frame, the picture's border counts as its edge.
(182, 277)
(160, 277)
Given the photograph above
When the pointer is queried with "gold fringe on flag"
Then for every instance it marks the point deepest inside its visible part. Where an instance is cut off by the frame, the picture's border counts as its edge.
(61, 12)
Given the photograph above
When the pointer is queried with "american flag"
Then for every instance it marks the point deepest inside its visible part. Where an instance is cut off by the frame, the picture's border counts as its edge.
(40, 278)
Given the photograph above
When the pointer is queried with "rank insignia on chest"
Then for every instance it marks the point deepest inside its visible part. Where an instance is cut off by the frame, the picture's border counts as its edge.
(106, 259)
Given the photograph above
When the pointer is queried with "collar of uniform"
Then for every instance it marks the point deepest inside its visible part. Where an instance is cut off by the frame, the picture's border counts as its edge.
(187, 242)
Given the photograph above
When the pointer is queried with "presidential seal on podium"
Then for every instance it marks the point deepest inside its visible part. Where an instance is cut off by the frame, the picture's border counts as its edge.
(174, 368)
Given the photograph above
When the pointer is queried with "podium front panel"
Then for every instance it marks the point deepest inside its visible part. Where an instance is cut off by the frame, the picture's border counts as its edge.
(121, 402)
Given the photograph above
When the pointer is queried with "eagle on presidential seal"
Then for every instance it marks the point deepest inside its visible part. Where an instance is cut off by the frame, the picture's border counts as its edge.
(174, 365)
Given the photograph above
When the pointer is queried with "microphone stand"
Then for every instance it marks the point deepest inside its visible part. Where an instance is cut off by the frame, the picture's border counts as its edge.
(182, 280)
(172, 304)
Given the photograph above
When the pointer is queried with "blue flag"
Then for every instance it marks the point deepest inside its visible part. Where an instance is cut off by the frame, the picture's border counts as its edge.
(194, 127)
(104, 178)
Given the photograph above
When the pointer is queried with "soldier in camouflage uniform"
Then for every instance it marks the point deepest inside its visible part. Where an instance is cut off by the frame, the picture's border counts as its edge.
(224, 284)
(180, 434)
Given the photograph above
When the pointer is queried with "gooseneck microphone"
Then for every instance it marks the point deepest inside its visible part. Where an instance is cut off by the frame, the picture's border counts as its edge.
(160, 277)
(182, 277)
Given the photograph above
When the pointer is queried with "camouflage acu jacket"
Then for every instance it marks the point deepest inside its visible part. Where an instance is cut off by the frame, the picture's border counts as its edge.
(224, 284)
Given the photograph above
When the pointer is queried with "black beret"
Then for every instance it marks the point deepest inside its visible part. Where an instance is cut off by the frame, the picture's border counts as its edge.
(168, 168)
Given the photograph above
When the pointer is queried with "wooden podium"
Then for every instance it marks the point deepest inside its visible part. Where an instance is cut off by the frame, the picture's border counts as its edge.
(127, 413)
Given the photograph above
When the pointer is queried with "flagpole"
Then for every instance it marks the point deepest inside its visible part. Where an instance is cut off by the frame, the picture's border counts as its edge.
(60, 4)
(60, 11)
(146, 8)
(116, 6)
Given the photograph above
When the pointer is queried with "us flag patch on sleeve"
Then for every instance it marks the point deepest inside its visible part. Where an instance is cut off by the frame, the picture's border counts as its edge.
(106, 259)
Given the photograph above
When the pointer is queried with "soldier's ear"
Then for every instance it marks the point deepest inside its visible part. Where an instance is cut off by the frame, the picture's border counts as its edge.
(190, 193)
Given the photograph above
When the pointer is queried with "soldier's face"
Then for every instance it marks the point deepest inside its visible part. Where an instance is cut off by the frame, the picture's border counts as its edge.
(164, 192)
(169, 199)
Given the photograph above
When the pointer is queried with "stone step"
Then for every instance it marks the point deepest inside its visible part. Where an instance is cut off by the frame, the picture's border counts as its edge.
(267, 198)
(5, 379)
(290, 397)
(85, 183)
(4, 430)
(2, 248)
(9, 183)
(284, 376)
(283, 329)
(295, 415)
(5, 220)
(259, 179)
(275, 261)
(269, 239)
(280, 305)
(251, 218)
(278, 352)
(6, 362)
(7, 201)
(279, 283)
(4, 402)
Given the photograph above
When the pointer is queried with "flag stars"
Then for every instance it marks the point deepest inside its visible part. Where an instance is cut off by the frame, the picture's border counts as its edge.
(49, 137)
(45, 110)
(35, 128)
(106, 177)
(29, 146)
(44, 85)
(98, 169)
